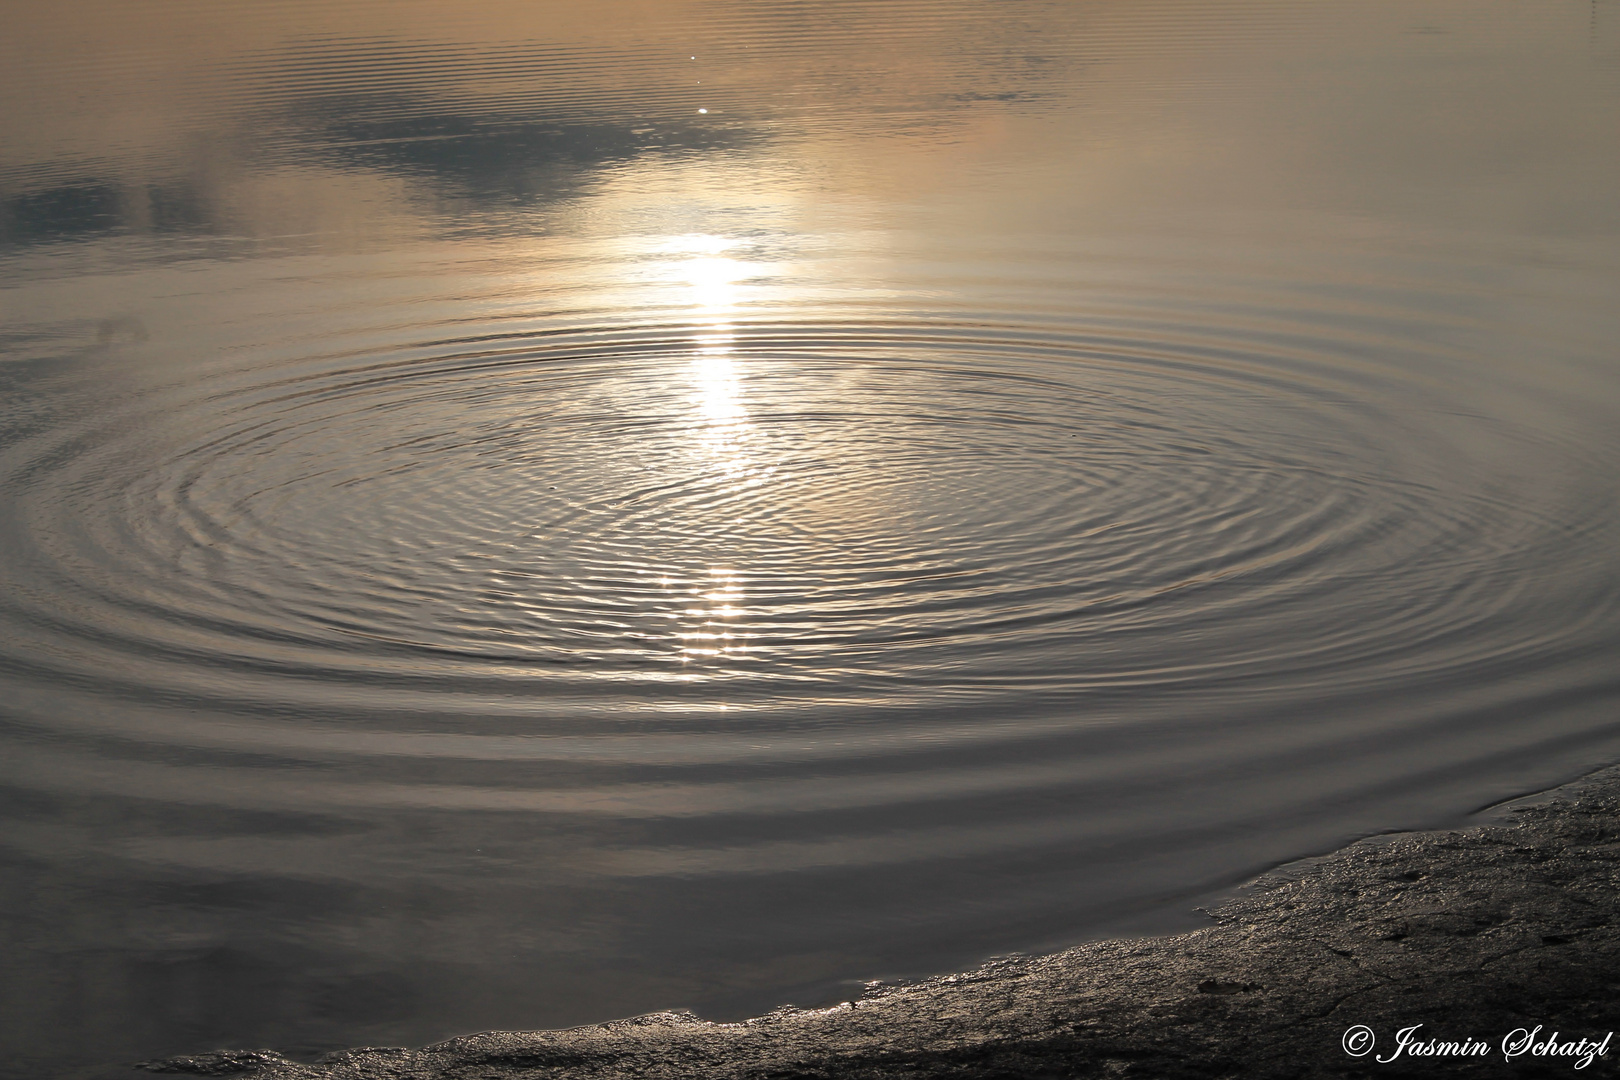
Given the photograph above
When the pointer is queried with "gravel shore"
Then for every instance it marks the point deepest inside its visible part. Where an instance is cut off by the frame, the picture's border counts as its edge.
(1474, 934)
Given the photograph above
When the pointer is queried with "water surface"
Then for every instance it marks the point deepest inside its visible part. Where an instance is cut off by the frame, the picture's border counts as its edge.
(520, 516)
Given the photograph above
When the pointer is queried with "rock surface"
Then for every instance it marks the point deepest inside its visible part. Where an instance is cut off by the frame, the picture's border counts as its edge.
(1473, 934)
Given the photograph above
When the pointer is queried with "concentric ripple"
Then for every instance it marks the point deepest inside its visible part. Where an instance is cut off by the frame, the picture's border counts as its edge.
(519, 514)
(873, 512)
(1049, 612)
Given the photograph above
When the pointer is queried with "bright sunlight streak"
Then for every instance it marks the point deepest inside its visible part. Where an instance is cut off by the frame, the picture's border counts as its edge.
(723, 436)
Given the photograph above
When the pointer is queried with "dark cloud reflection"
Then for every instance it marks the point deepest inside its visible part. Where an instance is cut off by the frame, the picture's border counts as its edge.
(489, 162)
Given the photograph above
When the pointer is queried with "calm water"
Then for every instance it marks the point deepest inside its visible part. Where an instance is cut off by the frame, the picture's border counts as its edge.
(518, 514)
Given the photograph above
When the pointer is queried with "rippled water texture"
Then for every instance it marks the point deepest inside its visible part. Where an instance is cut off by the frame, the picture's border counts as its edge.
(520, 515)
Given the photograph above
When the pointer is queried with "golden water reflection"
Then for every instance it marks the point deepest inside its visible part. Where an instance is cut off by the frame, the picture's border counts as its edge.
(723, 439)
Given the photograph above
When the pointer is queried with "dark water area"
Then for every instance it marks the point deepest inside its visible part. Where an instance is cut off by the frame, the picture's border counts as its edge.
(521, 514)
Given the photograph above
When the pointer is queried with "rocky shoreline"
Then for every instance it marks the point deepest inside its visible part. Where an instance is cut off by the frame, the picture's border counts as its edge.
(1477, 935)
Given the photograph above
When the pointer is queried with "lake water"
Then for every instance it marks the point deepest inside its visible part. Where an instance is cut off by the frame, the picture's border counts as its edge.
(519, 514)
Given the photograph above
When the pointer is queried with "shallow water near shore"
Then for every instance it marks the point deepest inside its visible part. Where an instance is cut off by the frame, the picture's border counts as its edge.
(516, 517)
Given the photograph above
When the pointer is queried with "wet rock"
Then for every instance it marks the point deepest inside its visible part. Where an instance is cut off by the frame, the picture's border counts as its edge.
(1464, 937)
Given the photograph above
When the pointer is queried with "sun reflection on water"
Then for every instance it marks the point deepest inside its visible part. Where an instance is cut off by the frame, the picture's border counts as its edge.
(716, 604)
(724, 439)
